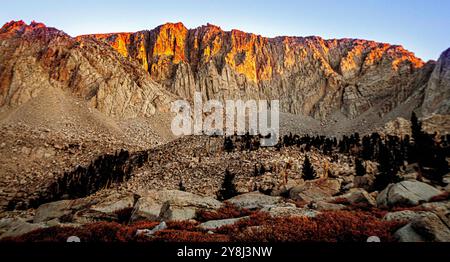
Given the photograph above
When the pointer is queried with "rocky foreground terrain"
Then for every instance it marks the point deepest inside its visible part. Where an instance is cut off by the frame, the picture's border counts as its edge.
(87, 149)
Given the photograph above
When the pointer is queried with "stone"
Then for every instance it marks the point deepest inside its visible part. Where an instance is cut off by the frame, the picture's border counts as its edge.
(177, 204)
(404, 215)
(433, 226)
(170, 211)
(325, 206)
(277, 211)
(443, 206)
(254, 200)
(49, 211)
(13, 227)
(437, 92)
(408, 234)
(365, 182)
(428, 227)
(114, 202)
(406, 193)
(64, 210)
(446, 179)
(315, 190)
(151, 232)
(215, 224)
(358, 196)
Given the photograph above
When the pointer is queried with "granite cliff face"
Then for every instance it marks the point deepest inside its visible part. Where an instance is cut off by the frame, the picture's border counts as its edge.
(35, 57)
(310, 75)
(437, 93)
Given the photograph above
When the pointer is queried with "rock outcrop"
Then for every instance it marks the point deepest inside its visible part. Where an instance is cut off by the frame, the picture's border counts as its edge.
(406, 193)
(309, 75)
(34, 57)
(437, 93)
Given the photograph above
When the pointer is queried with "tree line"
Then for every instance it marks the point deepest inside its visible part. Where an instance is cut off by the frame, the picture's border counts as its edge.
(392, 153)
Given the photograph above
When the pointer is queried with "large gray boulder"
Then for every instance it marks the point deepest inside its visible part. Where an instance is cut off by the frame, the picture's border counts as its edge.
(83, 210)
(425, 228)
(115, 202)
(62, 210)
(358, 196)
(171, 205)
(315, 190)
(405, 215)
(290, 211)
(406, 193)
(215, 224)
(254, 200)
(13, 227)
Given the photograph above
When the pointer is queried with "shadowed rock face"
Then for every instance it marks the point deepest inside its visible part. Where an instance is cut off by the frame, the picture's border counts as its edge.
(437, 94)
(310, 75)
(34, 57)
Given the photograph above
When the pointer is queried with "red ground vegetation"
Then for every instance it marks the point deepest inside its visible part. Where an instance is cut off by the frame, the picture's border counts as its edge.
(226, 211)
(442, 197)
(335, 226)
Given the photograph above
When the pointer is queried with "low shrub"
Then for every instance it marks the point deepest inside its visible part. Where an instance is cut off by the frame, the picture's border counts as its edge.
(329, 226)
(333, 226)
(442, 197)
(226, 211)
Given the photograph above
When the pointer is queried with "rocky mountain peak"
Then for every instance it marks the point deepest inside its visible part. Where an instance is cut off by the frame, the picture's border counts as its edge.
(437, 94)
(310, 75)
(20, 28)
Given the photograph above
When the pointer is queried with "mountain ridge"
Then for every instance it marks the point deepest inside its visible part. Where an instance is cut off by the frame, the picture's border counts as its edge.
(310, 76)
(249, 66)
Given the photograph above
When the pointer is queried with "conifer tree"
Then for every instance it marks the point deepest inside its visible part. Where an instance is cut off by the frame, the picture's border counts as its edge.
(181, 186)
(228, 145)
(387, 171)
(308, 170)
(228, 189)
(360, 169)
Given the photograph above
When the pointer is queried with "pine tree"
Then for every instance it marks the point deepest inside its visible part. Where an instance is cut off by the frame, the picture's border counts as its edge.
(228, 145)
(360, 169)
(256, 171)
(387, 170)
(308, 170)
(228, 189)
(181, 186)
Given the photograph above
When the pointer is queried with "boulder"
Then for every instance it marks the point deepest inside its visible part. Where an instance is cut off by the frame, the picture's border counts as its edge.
(408, 234)
(428, 227)
(446, 179)
(215, 224)
(254, 200)
(442, 207)
(358, 196)
(13, 227)
(405, 215)
(289, 211)
(406, 193)
(55, 210)
(433, 227)
(315, 190)
(80, 211)
(325, 206)
(151, 232)
(177, 204)
(171, 211)
(115, 202)
(365, 182)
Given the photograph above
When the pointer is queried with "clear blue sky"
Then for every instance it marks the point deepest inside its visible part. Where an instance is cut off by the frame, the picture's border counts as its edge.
(421, 26)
